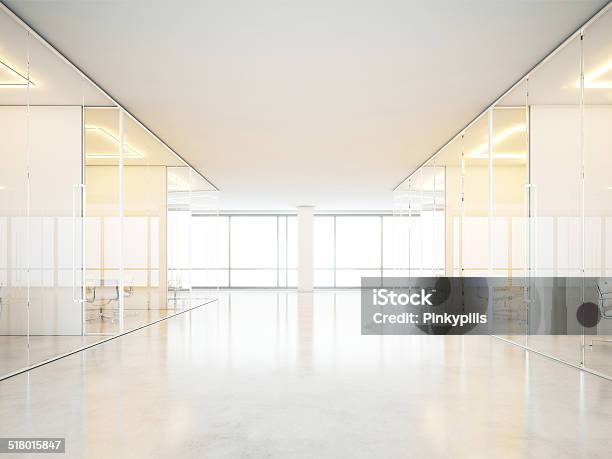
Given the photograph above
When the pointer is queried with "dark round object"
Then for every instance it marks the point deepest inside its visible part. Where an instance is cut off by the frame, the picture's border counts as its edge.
(588, 315)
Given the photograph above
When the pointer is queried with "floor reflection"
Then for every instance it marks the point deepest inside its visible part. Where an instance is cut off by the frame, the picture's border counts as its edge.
(263, 373)
(102, 320)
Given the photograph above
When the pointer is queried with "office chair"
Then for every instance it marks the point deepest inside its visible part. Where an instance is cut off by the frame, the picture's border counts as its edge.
(104, 293)
(604, 291)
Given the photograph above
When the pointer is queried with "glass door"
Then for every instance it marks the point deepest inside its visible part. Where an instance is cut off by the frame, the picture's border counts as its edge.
(556, 210)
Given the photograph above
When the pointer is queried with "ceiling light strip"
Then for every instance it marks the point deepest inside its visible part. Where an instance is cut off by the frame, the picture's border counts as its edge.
(14, 72)
(132, 153)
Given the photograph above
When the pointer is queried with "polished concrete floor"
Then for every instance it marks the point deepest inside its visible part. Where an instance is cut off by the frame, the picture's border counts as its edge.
(274, 374)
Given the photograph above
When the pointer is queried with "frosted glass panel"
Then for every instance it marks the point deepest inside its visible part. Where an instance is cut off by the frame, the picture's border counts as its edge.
(136, 253)
(474, 247)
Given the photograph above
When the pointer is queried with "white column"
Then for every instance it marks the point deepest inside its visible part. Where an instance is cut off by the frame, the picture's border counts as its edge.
(305, 221)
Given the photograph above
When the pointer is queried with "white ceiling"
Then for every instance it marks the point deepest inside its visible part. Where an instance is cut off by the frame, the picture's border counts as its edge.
(328, 103)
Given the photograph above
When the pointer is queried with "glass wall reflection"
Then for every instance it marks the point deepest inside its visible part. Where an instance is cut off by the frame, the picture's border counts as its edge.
(83, 199)
(103, 303)
(597, 138)
(527, 198)
(15, 84)
(510, 175)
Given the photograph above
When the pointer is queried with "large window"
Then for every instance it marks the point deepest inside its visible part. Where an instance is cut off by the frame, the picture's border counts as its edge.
(349, 247)
(244, 251)
(261, 250)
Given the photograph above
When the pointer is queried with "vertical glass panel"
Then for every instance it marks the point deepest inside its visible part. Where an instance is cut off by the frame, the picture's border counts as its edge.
(555, 204)
(475, 252)
(14, 71)
(450, 159)
(210, 256)
(41, 226)
(431, 218)
(428, 239)
(439, 187)
(178, 236)
(510, 177)
(509, 180)
(416, 248)
(597, 119)
(55, 169)
(144, 227)
(204, 202)
(102, 226)
(396, 235)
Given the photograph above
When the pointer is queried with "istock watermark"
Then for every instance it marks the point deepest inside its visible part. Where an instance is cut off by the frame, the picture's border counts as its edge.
(484, 305)
(383, 297)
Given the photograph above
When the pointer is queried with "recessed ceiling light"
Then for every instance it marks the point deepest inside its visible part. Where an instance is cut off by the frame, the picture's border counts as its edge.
(128, 152)
(589, 80)
(499, 156)
(482, 151)
(22, 79)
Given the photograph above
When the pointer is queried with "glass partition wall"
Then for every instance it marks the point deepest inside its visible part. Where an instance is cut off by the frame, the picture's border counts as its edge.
(190, 197)
(84, 206)
(597, 159)
(417, 231)
(527, 197)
